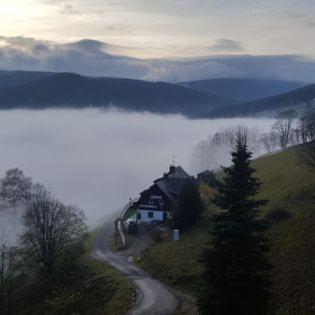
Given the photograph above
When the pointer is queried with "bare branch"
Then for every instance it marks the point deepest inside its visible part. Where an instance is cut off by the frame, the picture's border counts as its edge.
(50, 228)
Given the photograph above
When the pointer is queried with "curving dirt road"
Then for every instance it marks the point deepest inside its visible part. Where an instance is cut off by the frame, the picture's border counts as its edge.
(153, 297)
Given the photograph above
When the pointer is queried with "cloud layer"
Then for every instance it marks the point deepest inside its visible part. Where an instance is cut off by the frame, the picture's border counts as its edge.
(95, 58)
(84, 160)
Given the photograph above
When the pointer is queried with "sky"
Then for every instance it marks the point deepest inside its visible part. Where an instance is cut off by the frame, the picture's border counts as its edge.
(38, 35)
(164, 28)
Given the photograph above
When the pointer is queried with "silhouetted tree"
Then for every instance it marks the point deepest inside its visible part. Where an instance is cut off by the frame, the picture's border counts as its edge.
(189, 207)
(269, 141)
(15, 186)
(235, 278)
(283, 126)
(51, 229)
(8, 274)
(307, 126)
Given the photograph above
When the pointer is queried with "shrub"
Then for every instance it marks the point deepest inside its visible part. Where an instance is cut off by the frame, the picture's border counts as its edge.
(157, 235)
(277, 215)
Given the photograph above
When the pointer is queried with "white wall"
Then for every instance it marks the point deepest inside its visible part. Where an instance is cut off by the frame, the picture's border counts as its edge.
(157, 215)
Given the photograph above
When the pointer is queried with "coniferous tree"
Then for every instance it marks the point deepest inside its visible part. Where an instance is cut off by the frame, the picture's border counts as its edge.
(189, 207)
(235, 279)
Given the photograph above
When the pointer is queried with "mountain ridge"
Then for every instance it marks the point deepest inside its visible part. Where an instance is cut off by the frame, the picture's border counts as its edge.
(243, 89)
(293, 99)
(43, 90)
(40, 90)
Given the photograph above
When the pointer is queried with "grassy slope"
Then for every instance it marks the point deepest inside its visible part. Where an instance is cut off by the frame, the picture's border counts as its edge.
(120, 293)
(111, 292)
(288, 186)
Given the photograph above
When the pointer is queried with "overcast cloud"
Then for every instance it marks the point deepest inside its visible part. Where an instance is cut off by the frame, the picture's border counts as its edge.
(168, 28)
(223, 44)
(94, 58)
(263, 38)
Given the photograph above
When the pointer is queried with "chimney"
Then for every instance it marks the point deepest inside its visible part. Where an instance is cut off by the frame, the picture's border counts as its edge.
(172, 169)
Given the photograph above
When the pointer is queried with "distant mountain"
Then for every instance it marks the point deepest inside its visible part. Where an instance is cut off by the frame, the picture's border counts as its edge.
(294, 99)
(94, 58)
(14, 78)
(43, 90)
(243, 90)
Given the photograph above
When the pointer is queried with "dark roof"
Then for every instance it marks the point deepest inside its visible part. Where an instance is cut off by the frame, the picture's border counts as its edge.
(172, 187)
(173, 182)
(178, 172)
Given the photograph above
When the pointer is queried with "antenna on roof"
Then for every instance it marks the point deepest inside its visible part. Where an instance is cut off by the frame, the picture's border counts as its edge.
(173, 160)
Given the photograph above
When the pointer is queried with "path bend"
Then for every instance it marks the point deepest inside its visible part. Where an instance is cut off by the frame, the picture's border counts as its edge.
(153, 297)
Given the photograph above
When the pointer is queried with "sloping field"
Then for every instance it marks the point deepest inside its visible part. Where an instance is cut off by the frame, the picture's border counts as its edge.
(290, 189)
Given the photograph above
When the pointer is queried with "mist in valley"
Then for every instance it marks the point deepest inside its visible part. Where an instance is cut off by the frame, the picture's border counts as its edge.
(97, 159)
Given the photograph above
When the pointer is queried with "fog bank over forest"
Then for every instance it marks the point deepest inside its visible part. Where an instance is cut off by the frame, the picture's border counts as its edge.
(99, 159)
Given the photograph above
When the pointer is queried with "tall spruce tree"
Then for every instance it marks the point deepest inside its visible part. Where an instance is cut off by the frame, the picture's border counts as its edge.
(235, 279)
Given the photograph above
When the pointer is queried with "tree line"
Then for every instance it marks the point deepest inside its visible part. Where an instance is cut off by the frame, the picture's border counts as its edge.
(288, 129)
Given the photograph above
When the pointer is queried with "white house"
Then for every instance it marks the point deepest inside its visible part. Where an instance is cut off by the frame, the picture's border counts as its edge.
(158, 201)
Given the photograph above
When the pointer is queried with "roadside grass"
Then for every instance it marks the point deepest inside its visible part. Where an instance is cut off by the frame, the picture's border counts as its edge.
(175, 263)
(120, 292)
(288, 186)
(89, 241)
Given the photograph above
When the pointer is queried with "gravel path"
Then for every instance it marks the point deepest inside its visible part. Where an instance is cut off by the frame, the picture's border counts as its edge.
(153, 297)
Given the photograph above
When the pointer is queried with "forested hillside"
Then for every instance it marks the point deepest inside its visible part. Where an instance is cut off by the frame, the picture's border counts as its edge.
(243, 90)
(299, 98)
(38, 90)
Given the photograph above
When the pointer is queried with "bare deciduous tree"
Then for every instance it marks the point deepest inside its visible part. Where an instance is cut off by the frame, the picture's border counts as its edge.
(7, 273)
(307, 126)
(202, 154)
(214, 151)
(15, 186)
(283, 126)
(295, 137)
(228, 136)
(50, 229)
(269, 141)
(254, 138)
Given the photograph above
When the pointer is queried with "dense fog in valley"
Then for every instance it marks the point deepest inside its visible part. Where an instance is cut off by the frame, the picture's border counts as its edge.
(99, 159)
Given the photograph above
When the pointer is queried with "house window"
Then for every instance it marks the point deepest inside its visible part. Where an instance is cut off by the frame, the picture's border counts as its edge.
(139, 215)
(151, 201)
(161, 202)
(150, 214)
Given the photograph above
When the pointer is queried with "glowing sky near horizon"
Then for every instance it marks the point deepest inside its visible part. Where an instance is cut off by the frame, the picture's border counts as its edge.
(167, 28)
